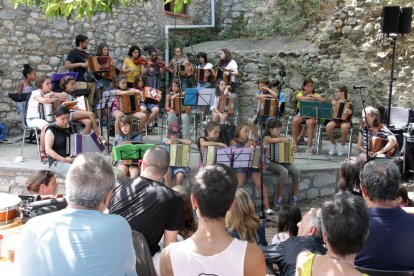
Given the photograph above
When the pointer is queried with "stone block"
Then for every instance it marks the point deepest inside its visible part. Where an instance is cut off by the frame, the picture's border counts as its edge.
(312, 193)
(327, 191)
(304, 184)
(7, 14)
(7, 84)
(32, 37)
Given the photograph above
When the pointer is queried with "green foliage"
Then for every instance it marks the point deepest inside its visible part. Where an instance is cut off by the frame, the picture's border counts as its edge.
(237, 29)
(85, 8)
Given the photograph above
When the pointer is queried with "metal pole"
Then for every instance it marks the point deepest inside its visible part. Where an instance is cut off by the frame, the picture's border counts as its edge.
(394, 42)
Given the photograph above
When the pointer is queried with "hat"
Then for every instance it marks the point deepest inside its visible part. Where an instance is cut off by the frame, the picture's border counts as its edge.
(174, 129)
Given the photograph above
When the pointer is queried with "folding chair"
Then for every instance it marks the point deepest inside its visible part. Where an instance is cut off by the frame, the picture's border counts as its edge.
(144, 264)
(34, 130)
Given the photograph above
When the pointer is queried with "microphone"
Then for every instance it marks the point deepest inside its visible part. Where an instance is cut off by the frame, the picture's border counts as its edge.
(359, 87)
(59, 203)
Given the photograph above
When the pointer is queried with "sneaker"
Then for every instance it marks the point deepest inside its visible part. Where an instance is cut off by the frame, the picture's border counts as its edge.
(294, 201)
(341, 150)
(269, 212)
(332, 149)
(278, 202)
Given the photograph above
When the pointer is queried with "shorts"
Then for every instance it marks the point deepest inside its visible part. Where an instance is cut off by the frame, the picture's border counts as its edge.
(247, 171)
(175, 170)
(37, 123)
(60, 168)
(149, 106)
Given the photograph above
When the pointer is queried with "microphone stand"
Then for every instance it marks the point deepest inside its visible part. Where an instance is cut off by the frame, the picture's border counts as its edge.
(262, 213)
(394, 42)
(366, 138)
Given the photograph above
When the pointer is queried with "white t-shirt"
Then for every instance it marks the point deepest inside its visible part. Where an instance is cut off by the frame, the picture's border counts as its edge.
(33, 105)
(234, 68)
(76, 242)
(207, 66)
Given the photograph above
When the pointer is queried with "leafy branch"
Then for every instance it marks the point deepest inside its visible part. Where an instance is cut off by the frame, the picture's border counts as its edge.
(85, 8)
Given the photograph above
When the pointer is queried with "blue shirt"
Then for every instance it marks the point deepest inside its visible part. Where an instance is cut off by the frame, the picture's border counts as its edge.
(390, 242)
(76, 242)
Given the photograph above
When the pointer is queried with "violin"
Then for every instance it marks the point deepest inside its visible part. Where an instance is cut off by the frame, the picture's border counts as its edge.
(140, 61)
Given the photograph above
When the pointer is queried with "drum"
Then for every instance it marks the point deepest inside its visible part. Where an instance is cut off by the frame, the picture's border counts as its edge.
(9, 208)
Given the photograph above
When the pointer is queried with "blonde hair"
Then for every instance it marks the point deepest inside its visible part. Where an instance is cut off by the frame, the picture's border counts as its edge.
(242, 218)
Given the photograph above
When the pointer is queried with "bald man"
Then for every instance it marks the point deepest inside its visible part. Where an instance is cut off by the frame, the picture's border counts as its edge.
(149, 206)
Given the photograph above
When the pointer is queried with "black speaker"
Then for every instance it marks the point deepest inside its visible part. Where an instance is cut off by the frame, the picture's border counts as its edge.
(390, 18)
(406, 15)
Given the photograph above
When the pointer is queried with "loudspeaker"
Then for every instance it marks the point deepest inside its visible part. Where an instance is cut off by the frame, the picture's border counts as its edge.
(406, 15)
(390, 18)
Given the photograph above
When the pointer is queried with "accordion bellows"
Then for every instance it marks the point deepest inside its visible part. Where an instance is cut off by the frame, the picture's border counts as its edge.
(179, 155)
(78, 144)
(280, 152)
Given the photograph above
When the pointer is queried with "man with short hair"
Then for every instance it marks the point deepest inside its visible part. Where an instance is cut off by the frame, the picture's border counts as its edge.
(211, 250)
(309, 238)
(76, 61)
(149, 206)
(81, 239)
(390, 243)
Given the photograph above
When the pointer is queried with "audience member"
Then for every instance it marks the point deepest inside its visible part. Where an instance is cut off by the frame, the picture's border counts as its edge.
(345, 224)
(211, 250)
(149, 206)
(81, 239)
(242, 221)
(349, 175)
(390, 243)
(42, 183)
(402, 198)
(190, 225)
(309, 238)
(287, 224)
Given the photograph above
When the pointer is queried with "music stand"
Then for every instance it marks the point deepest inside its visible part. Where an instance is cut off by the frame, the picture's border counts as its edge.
(131, 151)
(197, 97)
(316, 109)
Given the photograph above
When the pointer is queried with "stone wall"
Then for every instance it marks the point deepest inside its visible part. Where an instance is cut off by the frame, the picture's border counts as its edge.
(345, 47)
(25, 36)
(313, 183)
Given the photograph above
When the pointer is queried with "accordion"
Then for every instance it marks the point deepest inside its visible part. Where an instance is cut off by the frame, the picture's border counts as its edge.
(378, 143)
(179, 155)
(338, 110)
(248, 157)
(226, 104)
(129, 103)
(281, 152)
(180, 107)
(99, 64)
(152, 95)
(267, 107)
(204, 75)
(184, 70)
(77, 144)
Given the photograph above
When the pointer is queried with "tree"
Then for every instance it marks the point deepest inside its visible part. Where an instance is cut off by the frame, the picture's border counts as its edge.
(85, 8)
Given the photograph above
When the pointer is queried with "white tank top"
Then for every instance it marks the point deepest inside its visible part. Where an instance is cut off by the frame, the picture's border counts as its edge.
(228, 262)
